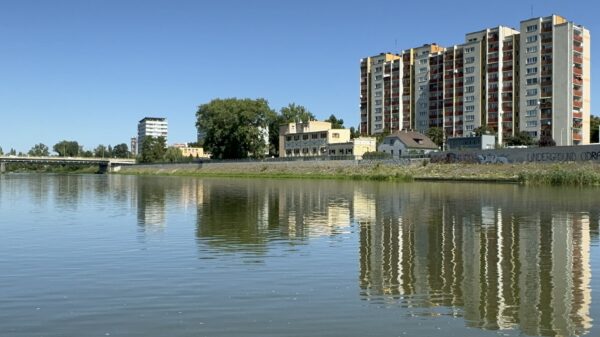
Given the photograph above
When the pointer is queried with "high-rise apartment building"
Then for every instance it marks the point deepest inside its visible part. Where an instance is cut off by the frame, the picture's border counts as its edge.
(151, 126)
(536, 80)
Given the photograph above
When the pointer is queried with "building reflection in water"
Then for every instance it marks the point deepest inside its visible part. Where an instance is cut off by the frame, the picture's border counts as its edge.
(500, 263)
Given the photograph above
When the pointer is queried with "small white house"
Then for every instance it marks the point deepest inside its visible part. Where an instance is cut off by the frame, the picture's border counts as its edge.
(406, 143)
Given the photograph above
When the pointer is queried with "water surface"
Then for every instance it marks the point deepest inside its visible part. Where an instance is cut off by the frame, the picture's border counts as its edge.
(100, 255)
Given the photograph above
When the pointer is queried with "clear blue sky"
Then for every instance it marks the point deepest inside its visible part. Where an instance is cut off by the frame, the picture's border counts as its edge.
(89, 70)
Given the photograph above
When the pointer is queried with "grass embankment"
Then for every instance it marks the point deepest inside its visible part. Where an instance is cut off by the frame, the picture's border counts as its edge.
(573, 174)
(29, 168)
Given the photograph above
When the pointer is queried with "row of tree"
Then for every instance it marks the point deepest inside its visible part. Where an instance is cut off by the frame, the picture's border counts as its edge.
(237, 128)
(68, 148)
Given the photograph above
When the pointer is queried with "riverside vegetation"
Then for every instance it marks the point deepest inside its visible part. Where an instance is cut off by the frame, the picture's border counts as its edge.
(569, 173)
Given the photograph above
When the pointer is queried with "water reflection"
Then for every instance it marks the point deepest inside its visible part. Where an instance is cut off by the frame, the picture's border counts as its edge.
(501, 260)
(246, 215)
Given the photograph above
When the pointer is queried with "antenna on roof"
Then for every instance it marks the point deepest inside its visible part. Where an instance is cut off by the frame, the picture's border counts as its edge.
(531, 10)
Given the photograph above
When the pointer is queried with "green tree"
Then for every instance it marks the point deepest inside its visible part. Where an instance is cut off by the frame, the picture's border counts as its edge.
(1, 152)
(354, 132)
(121, 151)
(335, 123)
(39, 150)
(521, 138)
(153, 149)
(12, 152)
(295, 113)
(173, 155)
(436, 135)
(66, 148)
(594, 125)
(546, 141)
(101, 152)
(234, 128)
(484, 130)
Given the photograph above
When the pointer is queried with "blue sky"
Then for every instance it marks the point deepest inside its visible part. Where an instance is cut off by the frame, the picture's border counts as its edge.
(89, 70)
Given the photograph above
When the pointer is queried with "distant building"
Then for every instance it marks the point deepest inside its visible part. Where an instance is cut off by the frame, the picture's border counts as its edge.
(309, 139)
(354, 148)
(405, 143)
(483, 142)
(134, 145)
(151, 126)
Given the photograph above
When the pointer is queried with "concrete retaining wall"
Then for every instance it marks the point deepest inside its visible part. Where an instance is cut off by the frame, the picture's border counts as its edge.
(539, 154)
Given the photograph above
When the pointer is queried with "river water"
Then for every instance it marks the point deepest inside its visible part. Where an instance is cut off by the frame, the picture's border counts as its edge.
(112, 255)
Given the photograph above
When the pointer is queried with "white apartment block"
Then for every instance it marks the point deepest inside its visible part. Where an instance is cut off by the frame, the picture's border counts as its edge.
(151, 126)
(555, 80)
(536, 80)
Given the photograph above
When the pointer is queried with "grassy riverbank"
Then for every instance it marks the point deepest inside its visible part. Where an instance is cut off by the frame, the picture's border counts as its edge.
(574, 174)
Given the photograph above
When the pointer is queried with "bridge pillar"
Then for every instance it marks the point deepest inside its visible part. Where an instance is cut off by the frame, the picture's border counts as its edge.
(103, 168)
(2, 167)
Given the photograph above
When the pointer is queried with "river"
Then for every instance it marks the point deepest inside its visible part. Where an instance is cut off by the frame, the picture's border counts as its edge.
(115, 255)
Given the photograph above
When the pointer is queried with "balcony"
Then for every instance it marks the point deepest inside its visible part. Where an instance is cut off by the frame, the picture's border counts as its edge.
(577, 114)
(507, 78)
(577, 59)
(507, 68)
(577, 80)
(577, 71)
(492, 69)
(578, 49)
(507, 58)
(577, 136)
(578, 93)
(578, 104)
(577, 37)
(546, 28)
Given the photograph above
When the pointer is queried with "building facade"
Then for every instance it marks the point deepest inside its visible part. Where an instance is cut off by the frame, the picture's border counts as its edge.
(151, 126)
(535, 80)
(309, 139)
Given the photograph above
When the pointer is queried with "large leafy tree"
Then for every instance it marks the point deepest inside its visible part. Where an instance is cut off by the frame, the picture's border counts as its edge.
(153, 149)
(173, 155)
(101, 151)
(436, 135)
(121, 151)
(66, 148)
(335, 122)
(295, 113)
(39, 150)
(234, 128)
(1, 152)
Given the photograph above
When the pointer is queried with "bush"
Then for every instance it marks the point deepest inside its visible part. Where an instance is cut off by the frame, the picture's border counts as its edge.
(376, 155)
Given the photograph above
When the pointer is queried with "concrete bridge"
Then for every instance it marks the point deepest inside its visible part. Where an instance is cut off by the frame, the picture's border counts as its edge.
(105, 164)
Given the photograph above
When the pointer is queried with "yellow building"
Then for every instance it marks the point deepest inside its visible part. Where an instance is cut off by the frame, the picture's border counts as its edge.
(309, 139)
(195, 152)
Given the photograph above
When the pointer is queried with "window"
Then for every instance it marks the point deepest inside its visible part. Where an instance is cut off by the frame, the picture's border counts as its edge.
(469, 118)
(377, 102)
(378, 69)
(469, 70)
(531, 113)
(314, 136)
(377, 126)
(532, 38)
(469, 108)
(335, 135)
(378, 86)
(531, 81)
(422, 79)
(532, 92)
(288, 138)
(532, 28)
(378, 118)
(532, 70)
(423, 61)
(531, 60)
(469, 79)
(423, 70)
(532, 102)
(470, 89)
(296, 137)
(469, 50)
(323, 134)
(469, 127)
(469, 98)
(378, 77)
(378, 94)
(469, 59)
(304, 137)
(531, 124)
(532, 49)
(378, 110)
